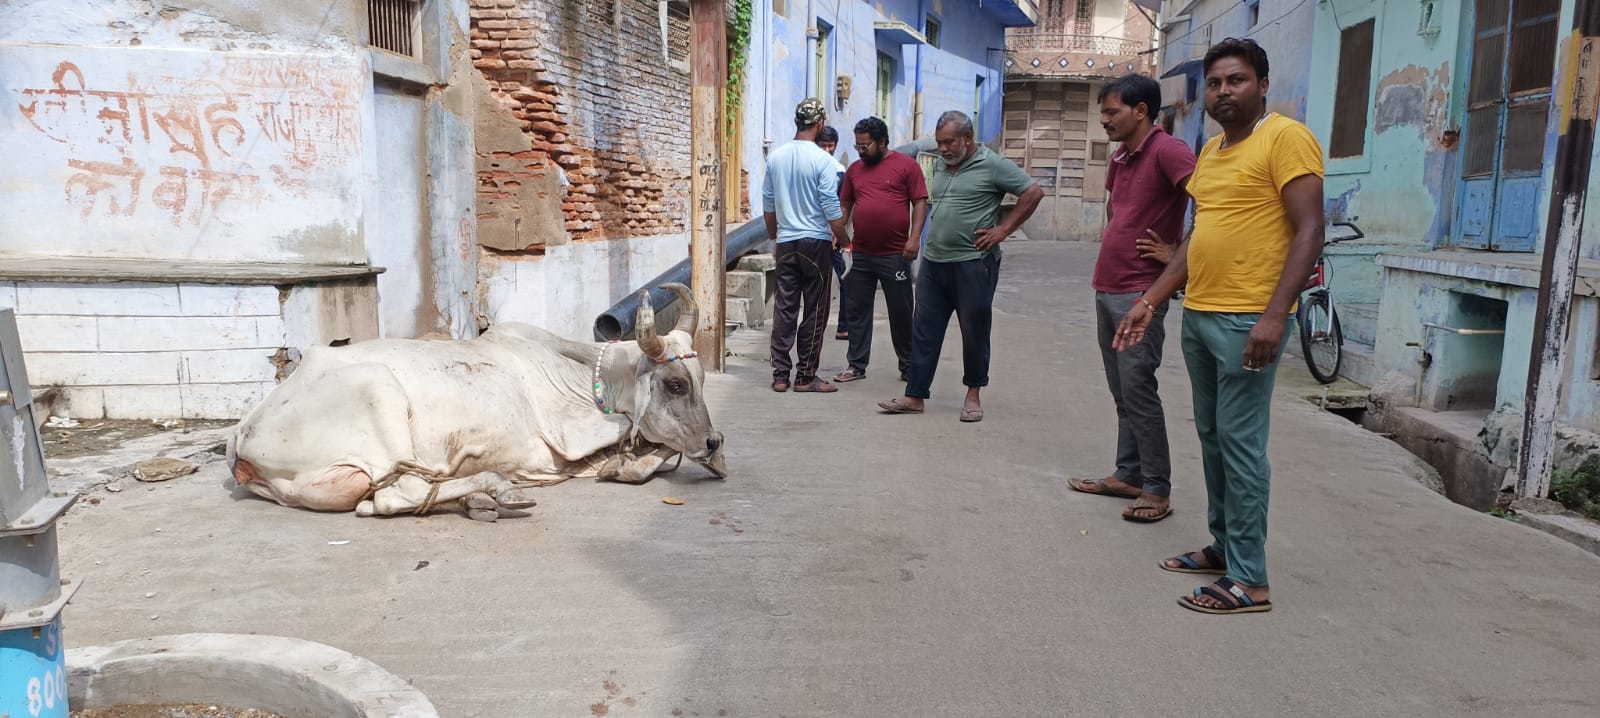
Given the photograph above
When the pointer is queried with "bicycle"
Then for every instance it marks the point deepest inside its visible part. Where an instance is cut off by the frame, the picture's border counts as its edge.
(1321, 339)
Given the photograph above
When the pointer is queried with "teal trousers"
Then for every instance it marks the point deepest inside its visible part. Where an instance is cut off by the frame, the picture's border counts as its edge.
(1232, 413)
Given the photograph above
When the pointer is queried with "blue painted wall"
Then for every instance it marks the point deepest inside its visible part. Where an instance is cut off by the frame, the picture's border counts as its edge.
(1282, 27)
(782, 72)
(1405, 190)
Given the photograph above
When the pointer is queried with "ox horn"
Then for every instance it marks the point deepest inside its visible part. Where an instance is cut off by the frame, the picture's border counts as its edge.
(644, 328)
(688, 311)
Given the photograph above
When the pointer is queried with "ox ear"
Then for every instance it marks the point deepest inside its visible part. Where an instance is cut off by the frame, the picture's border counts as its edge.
(643, 390)
(644, 328)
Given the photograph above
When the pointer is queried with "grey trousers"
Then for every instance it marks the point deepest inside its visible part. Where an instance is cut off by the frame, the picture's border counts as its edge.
(1143, 458)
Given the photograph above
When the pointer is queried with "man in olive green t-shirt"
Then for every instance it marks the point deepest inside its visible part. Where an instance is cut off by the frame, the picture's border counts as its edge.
(961, 262)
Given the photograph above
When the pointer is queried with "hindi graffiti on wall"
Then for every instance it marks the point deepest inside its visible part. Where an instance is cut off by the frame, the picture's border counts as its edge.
(227, 149)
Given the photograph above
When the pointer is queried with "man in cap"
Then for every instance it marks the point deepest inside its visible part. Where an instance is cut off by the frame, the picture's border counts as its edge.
(800, 203)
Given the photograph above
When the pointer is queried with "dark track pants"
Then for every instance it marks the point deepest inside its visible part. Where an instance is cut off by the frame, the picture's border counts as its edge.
(805, 277)
(859, 294)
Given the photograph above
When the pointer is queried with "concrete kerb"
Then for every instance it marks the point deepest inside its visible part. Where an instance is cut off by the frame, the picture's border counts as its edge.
(287, 676)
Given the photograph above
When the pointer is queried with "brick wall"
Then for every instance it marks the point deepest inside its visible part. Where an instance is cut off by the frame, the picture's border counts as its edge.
(586, 81)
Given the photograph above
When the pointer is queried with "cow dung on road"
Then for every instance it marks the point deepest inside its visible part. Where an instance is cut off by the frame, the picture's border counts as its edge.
(163, 469)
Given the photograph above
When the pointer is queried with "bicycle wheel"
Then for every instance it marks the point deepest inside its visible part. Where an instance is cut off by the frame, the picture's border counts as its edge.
(1321, 340)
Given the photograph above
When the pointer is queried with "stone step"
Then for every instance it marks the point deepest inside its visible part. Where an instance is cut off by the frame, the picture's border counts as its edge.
(756, 263)
(1359, 363)
(747, 284)
(1359, 322)
(744, 311)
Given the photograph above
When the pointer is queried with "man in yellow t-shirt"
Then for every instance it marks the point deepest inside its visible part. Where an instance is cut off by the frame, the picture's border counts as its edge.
(1258, 229)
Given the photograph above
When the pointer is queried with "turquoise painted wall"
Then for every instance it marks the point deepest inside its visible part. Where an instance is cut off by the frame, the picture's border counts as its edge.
(1401, 189)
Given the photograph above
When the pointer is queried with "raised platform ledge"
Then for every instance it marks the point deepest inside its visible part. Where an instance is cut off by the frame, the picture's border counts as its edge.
(1518, 270)
(95, 270)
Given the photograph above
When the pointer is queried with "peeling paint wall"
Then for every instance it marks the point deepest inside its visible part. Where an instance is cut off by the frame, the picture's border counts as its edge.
(1402, 185)
(209, 133)
(249, 151)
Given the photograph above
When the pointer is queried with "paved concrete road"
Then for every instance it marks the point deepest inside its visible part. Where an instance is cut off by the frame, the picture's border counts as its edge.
(866, 565)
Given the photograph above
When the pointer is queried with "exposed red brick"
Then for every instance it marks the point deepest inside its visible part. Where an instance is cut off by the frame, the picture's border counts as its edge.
(525, 52)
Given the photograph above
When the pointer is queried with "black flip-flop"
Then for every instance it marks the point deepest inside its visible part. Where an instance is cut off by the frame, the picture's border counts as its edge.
(1232, 597)
(849, 375)
(1218, 563)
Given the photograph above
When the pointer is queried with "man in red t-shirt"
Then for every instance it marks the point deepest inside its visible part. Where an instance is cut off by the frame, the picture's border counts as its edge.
(1146, 179)
(885, 197)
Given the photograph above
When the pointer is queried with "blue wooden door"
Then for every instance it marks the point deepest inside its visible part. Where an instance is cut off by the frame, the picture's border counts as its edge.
(1508, 107)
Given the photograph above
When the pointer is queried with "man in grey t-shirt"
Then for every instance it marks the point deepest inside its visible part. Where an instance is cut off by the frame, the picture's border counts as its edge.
(961, 262)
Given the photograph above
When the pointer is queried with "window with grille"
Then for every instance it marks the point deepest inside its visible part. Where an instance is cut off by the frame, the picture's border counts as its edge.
(1054, 21)
(930, 30)
(393, 25)
(1085, 17)
(1352, 91)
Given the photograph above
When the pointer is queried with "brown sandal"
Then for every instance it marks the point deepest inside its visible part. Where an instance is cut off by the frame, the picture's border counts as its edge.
(1098, 487)
(817, 386)
(1131, 513)
(780, 385)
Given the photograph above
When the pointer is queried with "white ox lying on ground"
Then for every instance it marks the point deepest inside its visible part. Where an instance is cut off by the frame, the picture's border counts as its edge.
(406, 425)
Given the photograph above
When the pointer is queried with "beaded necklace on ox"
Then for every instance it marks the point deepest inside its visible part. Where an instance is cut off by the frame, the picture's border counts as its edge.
(599, 389)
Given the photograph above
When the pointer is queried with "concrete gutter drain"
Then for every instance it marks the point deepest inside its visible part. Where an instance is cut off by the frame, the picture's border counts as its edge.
(33, 679)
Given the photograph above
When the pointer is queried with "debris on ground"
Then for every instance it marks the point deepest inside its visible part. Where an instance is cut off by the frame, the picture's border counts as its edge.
(61, 422)
(168, 423)
(163, 469)
(104, 436)
(672, 501)
(171, 711)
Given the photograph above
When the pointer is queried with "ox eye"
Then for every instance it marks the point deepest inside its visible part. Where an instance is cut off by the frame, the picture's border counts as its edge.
(677, 386)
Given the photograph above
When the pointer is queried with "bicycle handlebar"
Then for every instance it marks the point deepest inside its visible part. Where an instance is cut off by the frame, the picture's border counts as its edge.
(1335, 240)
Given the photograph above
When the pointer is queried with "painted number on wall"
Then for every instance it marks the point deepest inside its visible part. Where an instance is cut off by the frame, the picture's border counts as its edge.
(46, 690)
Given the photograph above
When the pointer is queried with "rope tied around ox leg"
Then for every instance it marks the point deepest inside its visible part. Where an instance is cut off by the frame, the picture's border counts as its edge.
(437, 478)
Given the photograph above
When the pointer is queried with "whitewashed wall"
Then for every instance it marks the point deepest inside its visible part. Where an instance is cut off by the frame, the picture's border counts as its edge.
(226, 131)
(181, 154)
(139, 350)
(569, 286)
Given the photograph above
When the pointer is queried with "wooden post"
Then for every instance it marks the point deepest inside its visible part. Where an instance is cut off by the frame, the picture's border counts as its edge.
(1579, 99)
(708, 43)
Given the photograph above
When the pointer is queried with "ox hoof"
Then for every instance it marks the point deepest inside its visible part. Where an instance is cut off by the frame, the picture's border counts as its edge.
(515, 498)
(486, 515)
(366, 508)
(611, 469)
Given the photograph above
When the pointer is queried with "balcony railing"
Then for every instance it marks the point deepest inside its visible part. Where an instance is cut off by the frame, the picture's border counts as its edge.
(1057, 42)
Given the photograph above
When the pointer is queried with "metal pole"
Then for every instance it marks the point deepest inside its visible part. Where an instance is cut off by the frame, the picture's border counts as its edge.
(1546, 365)
(708, 40)
(33, 680)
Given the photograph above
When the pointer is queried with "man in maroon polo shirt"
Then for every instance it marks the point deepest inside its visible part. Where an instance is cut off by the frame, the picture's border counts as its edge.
(1146, 178)
(883, 196)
